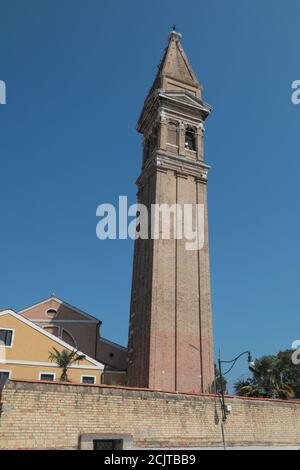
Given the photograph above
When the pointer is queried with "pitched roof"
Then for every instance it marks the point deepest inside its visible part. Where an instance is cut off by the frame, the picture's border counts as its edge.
(65, 304)
(175, 65)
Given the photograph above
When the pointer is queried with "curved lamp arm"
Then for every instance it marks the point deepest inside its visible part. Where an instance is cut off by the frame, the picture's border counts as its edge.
(233, 361)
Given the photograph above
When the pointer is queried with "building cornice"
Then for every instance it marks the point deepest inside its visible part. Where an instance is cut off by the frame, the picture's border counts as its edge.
(162, 161)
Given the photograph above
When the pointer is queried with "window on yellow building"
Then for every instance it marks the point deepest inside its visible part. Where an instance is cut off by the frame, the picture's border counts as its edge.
(88, 379)
(4, 375)
(6, 337)
(47, 376)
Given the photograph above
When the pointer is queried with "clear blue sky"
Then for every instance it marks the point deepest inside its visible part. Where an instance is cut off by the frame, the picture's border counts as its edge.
(77, 73)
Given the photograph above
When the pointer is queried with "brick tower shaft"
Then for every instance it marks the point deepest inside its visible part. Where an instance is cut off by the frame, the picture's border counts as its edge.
(170, 333)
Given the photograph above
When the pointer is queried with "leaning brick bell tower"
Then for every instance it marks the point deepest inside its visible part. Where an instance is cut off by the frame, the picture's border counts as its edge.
(170, 344)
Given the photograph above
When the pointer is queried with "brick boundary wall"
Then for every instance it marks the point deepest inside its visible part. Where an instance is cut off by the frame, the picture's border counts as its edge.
(47, 415)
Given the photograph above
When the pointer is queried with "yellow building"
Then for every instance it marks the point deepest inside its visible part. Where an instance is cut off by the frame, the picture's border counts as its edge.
(25, 349)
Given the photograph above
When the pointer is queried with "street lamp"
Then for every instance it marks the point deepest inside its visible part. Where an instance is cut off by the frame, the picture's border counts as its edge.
(251, 366)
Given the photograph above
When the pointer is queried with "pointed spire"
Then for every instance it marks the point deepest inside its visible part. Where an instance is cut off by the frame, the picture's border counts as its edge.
(175, 71)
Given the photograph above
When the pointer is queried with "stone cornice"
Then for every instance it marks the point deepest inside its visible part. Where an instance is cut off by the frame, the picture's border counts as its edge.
(180, 100)
(185, 99)
(161, 161)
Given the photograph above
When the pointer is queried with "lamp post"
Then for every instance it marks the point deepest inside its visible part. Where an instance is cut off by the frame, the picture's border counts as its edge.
(221, 374)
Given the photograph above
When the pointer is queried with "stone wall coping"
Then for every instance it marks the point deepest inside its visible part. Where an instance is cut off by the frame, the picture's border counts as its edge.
(11, 384)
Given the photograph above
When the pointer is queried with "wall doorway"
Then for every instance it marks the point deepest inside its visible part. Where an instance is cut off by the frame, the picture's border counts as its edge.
(108, 444)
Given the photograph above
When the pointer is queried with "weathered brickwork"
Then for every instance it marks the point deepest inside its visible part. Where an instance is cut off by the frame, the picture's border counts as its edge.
(54, 416)
(170, 344)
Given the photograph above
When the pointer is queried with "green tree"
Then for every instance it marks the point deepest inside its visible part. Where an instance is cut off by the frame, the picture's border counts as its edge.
(246, 388)
(290, 372)
(273, 377)
(64, 359)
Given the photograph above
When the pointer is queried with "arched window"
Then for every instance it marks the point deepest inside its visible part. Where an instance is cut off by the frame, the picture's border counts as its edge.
(153, 141)
(146, 149)
(68, 338)
(51, 312)
(172, 135)
(190, 138)
(52, 329)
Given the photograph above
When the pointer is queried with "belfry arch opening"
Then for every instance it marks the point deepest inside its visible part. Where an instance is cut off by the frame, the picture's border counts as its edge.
(190, 138)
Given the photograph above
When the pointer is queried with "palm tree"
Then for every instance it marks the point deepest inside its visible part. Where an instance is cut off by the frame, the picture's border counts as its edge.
(270, 379)
(283, 391)
(64, 359)
(246, 388)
